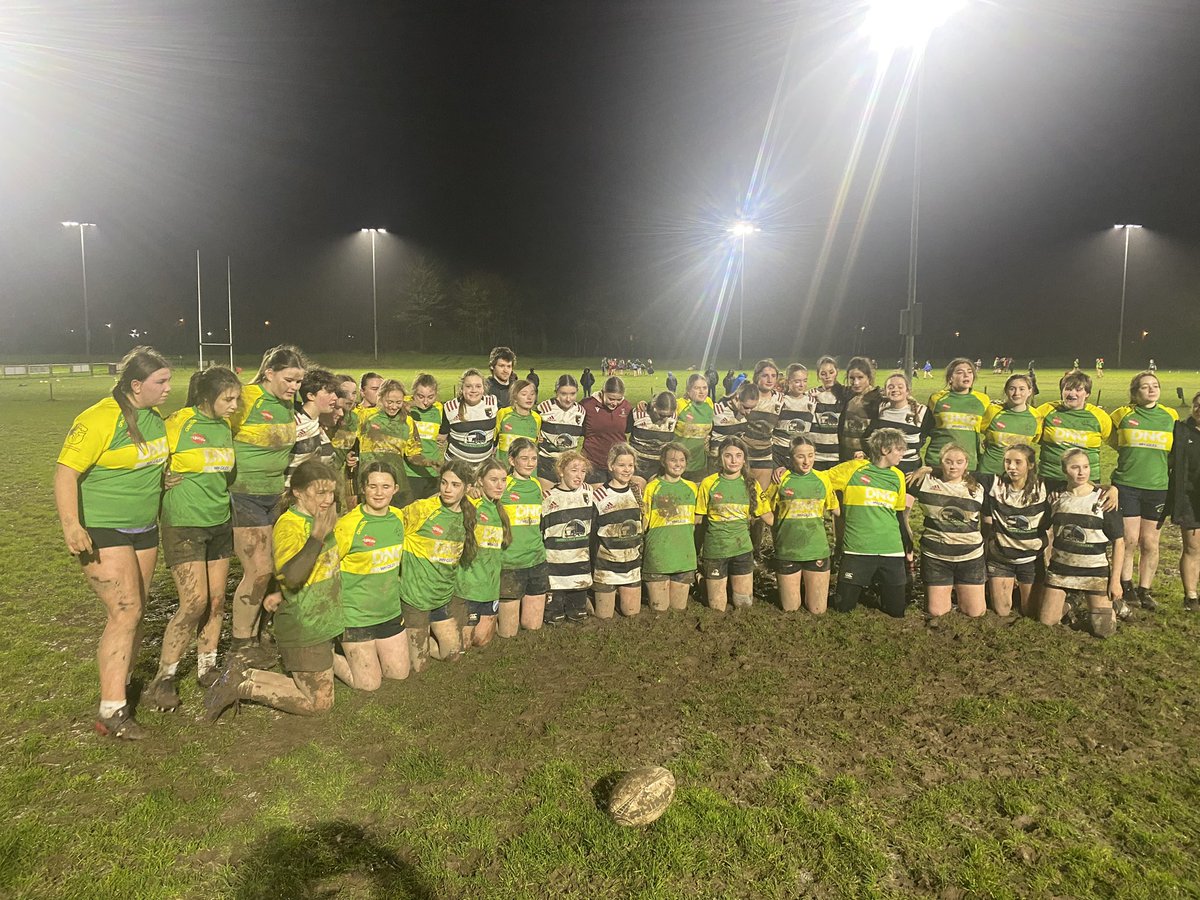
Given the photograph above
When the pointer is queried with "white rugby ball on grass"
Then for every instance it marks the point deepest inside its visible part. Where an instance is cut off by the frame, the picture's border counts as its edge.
(641, 796)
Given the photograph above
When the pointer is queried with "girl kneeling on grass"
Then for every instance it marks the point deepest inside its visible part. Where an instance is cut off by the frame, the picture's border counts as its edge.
(568, 520)
(952, 541)
(1015, 515)
(524, 578)
(1082, 536)
(618, 565)
(669, 518)
(727, 502)
(308, 617)
(370, 542)
(197, 529)
(876, 537)
(799, 502)
(477, 586)
(439, 536)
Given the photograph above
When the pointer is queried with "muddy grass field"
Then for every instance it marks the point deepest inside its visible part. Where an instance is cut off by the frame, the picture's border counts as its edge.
(825, 756)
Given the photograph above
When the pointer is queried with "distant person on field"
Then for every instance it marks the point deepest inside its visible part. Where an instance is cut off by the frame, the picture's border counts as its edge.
(535, 378)
(1153, 367)
(712, 377)
(672, 383)
(927, 369)
(728, 383)
(1099, 366)
(501, 362)
(587, 381)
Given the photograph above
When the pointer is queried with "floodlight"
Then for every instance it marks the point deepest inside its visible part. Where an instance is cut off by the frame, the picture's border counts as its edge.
(891, 25)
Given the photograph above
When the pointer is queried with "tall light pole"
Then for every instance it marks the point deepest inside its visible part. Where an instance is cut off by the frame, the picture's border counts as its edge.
(87, 328)
(1124, 281)
(374, 287)
(741, 230)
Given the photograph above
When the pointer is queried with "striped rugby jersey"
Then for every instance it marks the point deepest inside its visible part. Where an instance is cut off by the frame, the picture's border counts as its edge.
(953, 519)
(568, 520)
(311, 443)
(913, 421)
(1018, 523)
(1082, 534)
(473, 439)
(562, 430)
(795, 417)
(647, 438)
(827, 417)
(619, 529)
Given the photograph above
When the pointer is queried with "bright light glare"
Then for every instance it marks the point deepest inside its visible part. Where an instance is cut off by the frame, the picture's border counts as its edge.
(78, 225)
(1127, 226)
(741, 229)
(375, 230)
(905, 24)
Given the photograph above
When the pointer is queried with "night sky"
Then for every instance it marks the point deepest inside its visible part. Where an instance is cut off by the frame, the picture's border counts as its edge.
(593, 154)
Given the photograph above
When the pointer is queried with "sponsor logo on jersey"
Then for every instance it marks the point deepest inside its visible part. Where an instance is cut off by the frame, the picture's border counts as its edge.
(514, 497)
(368, 541)
(266, 415)
(507, 427)
(1133, 422)
(866, 479)
(952, 515)
(438, 530)
(1056, 420)
(945, 406)
(476, 437)
(718, 496)
(788, 492)
(483, 517)
(1000, 425)
(574, 529)
(199, 439)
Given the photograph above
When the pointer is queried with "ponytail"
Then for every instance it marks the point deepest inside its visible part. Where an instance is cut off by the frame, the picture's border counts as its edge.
(463, 471)
(206, 385)
(285, 356)
(138, 364)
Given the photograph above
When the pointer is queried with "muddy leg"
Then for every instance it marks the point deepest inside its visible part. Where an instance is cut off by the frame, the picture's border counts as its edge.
(302, 694)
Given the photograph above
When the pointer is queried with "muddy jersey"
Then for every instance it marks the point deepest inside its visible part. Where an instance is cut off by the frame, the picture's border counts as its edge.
(800, 503)
(1063, 429)
(311, 614)
(1004, 428)
(433, 546)
(522, 501)
(1143, 436)
(511, 425)
(728, 421)
(871, 498)
(470, 431)
(264, 433)
(827, 417)
(761, 424)
(122, 481)
(852, 426)
(370, 547)
(388, 439)
(914, 421)
(311, 443)
(728, 506)
(1019, 520)
(958, 419)
(953, 519)
(1082, 533)
(693, 429)
(619, 535)
(480, 581)
(426, 423)
(568, 520)
(562, 430)
(669, 519)
(647, 438)
(202, 454)
(795, 417)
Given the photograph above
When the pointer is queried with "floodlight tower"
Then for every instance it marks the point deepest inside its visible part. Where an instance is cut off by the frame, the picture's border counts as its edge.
(87, 328)
(374, 287)
(1124, 281)
(740, 231)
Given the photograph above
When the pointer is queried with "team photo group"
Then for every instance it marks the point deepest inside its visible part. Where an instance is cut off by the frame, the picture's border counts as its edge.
(379, 528)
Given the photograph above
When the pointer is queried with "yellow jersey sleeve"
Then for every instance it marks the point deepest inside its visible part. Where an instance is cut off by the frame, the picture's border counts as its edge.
(759, 504)
(343, 532)
(1103, 421)
(831, 500)
(702, 494)
(250, 393)
(289, 536)
(414, 515)
(839, 475)
(90, 436)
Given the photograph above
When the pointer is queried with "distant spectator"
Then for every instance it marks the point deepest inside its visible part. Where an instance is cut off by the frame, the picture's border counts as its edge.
(727, 383)
(672, 383)
(501, 361)
(533, 376)
(587, 381)
(711, 376)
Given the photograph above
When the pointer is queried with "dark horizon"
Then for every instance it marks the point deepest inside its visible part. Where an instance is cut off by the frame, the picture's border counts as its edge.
(592, 156)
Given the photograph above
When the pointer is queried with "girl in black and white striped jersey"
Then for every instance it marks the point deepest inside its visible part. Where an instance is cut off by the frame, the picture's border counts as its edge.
(1082, 536)
(855, 416)
(894, 407)
(952, 542)
(730, 420)
(568, 521)
(827, 401)
(468, 429)
(618, 565)
(562, 428)
(317, 397)
(1015, 516)
(795, 414)
(653, 428)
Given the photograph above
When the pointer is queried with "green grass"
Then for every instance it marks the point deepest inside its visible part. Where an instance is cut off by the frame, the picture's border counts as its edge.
(838, 757)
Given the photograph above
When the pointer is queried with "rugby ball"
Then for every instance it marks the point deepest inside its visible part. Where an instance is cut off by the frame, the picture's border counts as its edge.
(641, 796)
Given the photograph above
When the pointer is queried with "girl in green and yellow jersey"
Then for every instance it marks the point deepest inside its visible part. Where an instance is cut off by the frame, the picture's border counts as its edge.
(1008, 424)
(370, 542)
(1071, 422)
(693, 425)
(107, 487)
(524, 576)
(478, 585)
(439, 536)
(308, 616)
(1143, 432)
(387, 434)
(799, 501)
(520, 419)
(726, 503)
(426, 414)
(958, 412)
(669, 520)
(264, 433)
(197, 528)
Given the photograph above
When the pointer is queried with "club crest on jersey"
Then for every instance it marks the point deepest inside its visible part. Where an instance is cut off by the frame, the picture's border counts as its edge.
(199, 439)
(438, 530)
(507, 426)
(266, 415)
(690, 417)
(77, 434)
(368, 541)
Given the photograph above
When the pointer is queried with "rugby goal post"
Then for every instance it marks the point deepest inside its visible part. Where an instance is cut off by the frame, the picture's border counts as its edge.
(200, 313)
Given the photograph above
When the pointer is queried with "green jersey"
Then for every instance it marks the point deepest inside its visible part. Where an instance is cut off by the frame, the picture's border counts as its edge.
(693, 427)
(871, 497)
(202, 453)
(313, 613)
(669, 517)
(122, 481)
(729, 507)
(511, 425)
(426, 423)
(799, 503)
(957, 418)
(370, 547)
(264, 433)
(1143, 436)
(1004, 428)
(433, 545)
(1063, 429)
(480, 581)
(522, 500)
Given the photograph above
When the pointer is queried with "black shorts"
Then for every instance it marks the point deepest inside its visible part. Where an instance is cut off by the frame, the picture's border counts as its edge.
(791, 566)
(454, 609)
(518, 583)
(940, 573)
(314, 658)
(1135, 503)
(479, 609)
(688, 577)
(189, 543)
(112, 537)
(255, 510)
(860, 569)
(1023, 572)
(379, 632)
(742, 564)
